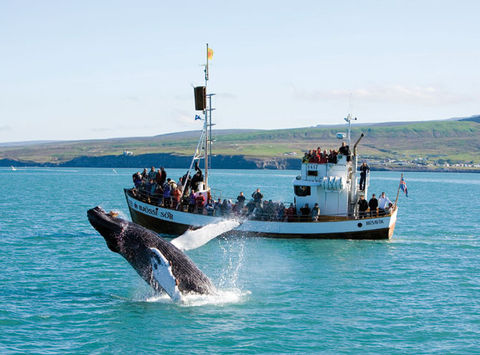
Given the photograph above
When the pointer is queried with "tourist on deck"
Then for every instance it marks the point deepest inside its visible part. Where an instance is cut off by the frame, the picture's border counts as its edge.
(137, 180)
(224, 208)
(191, 202)
(280, 215)
(218, 207)
(161, 176)
(144, 174)
(200, 202)
(210, 208)
(315, 212)
(257, 196)
(152, 174)
(305, 158)
(383, 203)
(332, 157)
(324, 157)
(364, 169)
(362, 207)
(240, 201)
(258, 211)
(250, 207)
(153, 187)
(269, 210)
(345, 150)
(167, 195)
(389, 209)
(180, 184)
(197, 178)
(291, 213)
(186, 181)
(148, 186)
(373, 204)
(158, 195)
(176, 197)
(306, 212)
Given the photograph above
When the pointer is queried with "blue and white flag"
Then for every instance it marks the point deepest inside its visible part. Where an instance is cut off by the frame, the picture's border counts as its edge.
(197, 117)
(403, 186)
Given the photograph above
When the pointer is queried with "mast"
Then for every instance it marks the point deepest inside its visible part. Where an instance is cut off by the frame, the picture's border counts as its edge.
(206, 123)
(208, 118)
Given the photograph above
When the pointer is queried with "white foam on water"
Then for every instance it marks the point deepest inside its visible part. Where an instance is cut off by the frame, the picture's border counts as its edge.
(221, 297)
(196, 238)
(160, 298)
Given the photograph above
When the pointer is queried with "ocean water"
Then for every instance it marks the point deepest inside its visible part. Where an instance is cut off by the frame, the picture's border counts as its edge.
(63, 291)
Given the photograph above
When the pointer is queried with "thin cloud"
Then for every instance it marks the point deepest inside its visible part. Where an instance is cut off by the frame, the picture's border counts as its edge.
(5, 128)
(121, 128)
(132, 99)
(184, 117)
(425, 95)
(227, 95)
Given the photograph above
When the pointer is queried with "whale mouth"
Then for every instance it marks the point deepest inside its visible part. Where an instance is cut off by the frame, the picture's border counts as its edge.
(108, 225)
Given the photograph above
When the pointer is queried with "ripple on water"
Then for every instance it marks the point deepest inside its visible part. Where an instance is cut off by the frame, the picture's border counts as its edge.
(63, 291)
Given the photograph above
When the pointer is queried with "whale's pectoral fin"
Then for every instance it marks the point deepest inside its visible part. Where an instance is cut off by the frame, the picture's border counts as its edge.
(163, 275)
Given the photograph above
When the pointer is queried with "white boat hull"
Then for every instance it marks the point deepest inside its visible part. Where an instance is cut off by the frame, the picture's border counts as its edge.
(174, 222)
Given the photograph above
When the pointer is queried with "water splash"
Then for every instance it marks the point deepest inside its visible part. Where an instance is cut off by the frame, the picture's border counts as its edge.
(196, 238)
(233, 255)
(222, 297)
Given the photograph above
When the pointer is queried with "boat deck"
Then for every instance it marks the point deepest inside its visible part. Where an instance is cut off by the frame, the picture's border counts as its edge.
(155, 201)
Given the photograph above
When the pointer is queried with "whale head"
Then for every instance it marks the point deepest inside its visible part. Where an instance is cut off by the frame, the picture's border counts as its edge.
(108, 225)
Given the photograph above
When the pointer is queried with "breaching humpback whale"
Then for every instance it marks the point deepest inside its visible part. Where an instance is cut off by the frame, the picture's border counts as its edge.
(161, 264)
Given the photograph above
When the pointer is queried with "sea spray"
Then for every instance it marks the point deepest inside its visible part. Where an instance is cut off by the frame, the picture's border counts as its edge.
(233, 255)
(196, 238)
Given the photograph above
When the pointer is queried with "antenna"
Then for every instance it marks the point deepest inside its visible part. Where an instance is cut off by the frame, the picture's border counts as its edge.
(349, 119)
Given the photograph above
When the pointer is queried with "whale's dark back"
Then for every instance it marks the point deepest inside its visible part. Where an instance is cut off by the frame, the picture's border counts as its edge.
(133, 242)
(136, 249)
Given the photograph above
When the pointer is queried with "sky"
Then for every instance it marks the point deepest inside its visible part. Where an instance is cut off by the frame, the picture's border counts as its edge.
(100, 69)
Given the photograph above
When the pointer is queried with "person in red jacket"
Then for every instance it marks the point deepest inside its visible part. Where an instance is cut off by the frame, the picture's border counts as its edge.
(291, 212)
(177, 195)
(200, 201)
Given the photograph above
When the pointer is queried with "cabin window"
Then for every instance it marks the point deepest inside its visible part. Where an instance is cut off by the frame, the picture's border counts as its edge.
(312, 173)
(302, 190)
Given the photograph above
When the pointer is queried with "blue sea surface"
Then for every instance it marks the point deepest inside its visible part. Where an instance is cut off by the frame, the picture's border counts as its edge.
(63, 291)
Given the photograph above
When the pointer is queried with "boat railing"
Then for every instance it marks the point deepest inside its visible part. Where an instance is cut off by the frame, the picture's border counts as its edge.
(253, 214)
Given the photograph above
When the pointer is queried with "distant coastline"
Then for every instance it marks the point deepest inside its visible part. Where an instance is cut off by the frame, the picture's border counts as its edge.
(443, 145)
(218, 162)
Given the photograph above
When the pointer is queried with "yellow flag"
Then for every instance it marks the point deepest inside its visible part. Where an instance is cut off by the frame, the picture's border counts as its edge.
(210, 53)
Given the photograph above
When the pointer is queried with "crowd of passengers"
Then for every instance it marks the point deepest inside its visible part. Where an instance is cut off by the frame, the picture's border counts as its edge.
(156, 187)
(318, 156)
(374, 207)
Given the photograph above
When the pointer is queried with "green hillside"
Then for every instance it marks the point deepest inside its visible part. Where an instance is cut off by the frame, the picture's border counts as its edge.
(448, 140)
